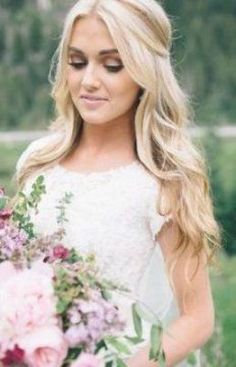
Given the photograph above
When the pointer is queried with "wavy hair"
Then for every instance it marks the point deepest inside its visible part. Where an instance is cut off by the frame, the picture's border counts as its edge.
(142, 32)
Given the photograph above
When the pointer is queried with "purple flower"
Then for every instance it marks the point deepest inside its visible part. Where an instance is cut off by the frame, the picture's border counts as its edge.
(76, 335)
(11, 239)
(74, 315)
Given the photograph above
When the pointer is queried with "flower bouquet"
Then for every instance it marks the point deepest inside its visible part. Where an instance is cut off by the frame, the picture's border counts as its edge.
(56, 309)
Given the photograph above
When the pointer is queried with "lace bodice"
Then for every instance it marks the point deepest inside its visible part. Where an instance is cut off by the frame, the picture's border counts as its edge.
(112, 214)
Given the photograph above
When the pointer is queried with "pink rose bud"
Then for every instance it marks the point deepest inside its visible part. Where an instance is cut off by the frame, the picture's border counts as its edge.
(60, 252)
(13, 356)
(5, 214)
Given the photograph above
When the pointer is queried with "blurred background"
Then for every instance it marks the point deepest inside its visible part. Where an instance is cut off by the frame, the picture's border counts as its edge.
(203, 54)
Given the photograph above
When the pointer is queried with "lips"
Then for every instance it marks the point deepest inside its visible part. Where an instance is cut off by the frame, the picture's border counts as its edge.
(93, 103)
(93, 98)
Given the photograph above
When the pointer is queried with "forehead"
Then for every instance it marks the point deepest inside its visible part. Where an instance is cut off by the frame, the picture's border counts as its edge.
(91, 33)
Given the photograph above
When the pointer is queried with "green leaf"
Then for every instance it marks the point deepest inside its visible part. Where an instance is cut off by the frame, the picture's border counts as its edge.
(121, 363)
(147, 315)
(191, 359)
(120, 346)
(162, 360)
(73, 257)
(3, 202)
(40, 180)
(106, 294)
(61, 306)
(137, 321)
(155, 338)
(134, 339)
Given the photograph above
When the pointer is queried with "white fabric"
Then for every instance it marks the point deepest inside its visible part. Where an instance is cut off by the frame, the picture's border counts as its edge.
(112, 214)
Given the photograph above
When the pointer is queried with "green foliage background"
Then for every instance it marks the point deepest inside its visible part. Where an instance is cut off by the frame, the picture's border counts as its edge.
(203, 53)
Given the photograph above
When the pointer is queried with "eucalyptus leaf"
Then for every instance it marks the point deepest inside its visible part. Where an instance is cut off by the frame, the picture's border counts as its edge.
(134, 339)
(147, 315)
(162, 360)
(137, 321)
(119, 345)
(155, 338)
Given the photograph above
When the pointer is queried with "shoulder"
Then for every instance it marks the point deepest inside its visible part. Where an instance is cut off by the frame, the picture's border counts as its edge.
(35, 146)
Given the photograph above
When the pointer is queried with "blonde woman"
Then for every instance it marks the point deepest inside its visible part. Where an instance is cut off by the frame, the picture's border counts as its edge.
(141, 193)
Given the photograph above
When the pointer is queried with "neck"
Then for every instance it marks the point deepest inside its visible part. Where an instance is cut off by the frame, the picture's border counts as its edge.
(111, 138)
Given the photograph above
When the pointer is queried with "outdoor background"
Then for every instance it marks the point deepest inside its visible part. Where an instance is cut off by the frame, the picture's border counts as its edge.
(203, 53)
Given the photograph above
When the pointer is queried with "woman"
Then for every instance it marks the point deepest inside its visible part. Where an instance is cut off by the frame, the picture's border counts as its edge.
(141, 193)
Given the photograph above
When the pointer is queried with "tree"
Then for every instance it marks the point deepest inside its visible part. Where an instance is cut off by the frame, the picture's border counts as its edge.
(2, 41)
(13, 5)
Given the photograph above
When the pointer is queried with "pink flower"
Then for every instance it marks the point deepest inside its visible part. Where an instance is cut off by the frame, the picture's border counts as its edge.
(44, 347)
(7, 271)
(27, 302)
(13, 356)
(88, 360)
(60, 252)
(5, 214)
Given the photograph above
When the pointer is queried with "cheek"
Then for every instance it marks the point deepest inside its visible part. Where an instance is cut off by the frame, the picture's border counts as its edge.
(73, 81)
(127, 90)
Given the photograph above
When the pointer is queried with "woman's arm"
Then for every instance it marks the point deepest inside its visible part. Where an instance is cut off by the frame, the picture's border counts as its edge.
(195, 324)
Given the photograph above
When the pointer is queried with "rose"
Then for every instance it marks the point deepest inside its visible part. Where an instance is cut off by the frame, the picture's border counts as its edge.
(88, 360)
(44, 346)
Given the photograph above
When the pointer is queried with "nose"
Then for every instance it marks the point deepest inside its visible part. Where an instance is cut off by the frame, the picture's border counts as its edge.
(89, 79)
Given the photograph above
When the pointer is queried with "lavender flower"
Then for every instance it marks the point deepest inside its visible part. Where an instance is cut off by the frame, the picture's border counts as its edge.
(91, 320)
(12, 239)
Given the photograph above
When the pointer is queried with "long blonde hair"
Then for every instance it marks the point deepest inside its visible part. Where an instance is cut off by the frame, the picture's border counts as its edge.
(141, 30)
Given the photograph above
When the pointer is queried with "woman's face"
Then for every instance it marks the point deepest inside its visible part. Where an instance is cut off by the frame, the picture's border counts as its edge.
(97, 71)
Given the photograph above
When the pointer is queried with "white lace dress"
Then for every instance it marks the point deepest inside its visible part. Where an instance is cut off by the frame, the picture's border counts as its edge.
(113, 214)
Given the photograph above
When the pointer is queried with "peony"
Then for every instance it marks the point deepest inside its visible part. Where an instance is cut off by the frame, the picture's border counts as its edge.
(27, 302)
(14, 356)
(44, 347)
(88, 360)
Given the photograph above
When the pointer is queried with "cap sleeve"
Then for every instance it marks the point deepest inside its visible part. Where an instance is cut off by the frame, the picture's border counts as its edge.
(155, 219)
(32, 149)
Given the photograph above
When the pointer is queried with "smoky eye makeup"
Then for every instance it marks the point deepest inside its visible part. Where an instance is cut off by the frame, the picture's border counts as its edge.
(110, 64)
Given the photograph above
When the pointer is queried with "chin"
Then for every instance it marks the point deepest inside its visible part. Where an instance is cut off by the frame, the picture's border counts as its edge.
(96, 119)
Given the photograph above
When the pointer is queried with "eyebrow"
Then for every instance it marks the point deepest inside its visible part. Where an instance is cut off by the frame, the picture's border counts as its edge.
(101, 53)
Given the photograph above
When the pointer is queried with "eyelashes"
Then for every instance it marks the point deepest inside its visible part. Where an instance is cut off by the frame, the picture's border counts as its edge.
(110, 68)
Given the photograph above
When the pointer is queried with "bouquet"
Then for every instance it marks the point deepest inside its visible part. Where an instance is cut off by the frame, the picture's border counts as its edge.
(56, 309)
